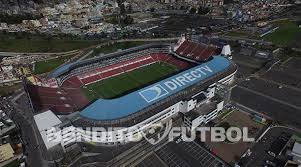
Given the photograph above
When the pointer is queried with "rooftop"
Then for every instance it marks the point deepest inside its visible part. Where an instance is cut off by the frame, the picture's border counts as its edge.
(46, 119)
(297, 149)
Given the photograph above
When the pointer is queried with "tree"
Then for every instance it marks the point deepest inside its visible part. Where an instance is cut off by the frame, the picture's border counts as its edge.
(192, 11)
(130, 9)
(121, 6)
(128, 20)
(203, 10)
(152, 9)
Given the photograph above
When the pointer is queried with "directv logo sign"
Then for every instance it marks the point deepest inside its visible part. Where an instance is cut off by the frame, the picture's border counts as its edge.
(153, 93)
(172, 84)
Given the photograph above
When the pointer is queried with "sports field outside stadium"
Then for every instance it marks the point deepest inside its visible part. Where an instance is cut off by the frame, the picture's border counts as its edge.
(126, 82)
(287, 34)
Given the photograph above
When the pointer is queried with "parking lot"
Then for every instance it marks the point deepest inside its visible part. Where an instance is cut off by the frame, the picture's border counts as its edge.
(279, 112)
(151, 160)
(284, 76)
(274, 90)
(247, 65)
(287, 73)
(186, 154)
(294, 63)
(275, 94)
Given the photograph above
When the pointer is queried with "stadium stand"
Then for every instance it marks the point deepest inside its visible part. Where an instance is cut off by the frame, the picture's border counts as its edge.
(72, 82)
(69, 84)
(59, 100)
(74, 69)
(125, 66)
(72, 77)
(196, 51)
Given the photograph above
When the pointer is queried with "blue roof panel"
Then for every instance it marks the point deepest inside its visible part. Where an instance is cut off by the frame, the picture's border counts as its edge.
(109, 109)
(60, 70)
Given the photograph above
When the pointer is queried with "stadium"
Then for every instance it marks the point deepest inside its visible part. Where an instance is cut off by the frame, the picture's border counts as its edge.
(133, 88)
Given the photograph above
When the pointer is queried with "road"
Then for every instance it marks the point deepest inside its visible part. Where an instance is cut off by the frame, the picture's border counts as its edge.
(24, 121)
(9, 54)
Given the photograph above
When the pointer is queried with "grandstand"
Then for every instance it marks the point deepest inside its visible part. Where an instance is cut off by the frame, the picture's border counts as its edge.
(126, 66)
(195, 51)
(76, 85)
(133, 88)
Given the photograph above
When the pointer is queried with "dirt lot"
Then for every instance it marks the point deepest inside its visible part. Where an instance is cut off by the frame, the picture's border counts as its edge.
(6, 90)
(230, 152)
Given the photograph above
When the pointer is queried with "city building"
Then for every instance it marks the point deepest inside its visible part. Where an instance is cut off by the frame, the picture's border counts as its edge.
(296, 152)
(7, 75)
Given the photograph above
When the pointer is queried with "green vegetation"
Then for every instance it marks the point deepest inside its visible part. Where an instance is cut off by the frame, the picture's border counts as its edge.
(126, 82)
(49, 65)
(20, 43)
(287, 34)
(121, 20)
(297, 137)
(17, 19)
(115, 47)
(14, 163)
(6, 90)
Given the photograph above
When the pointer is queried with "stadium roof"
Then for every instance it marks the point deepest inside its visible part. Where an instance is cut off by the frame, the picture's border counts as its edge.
(110, 109)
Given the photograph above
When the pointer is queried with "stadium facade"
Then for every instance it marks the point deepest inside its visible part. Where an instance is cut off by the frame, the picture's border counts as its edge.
(191, 93)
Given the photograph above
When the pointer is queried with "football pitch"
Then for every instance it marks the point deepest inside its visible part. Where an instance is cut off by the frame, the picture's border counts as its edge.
(288, 34)
(129, 81)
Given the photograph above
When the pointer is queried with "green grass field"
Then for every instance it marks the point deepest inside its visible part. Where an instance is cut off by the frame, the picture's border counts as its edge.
(114, 47)
(287, 34)
(124, 83)
(49, 65)
(12, 43)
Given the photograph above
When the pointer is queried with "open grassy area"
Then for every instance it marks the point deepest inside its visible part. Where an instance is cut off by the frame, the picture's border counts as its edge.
(121, 84)
(115, 47)
(49, 65)
(12, 43)
(288, 34)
